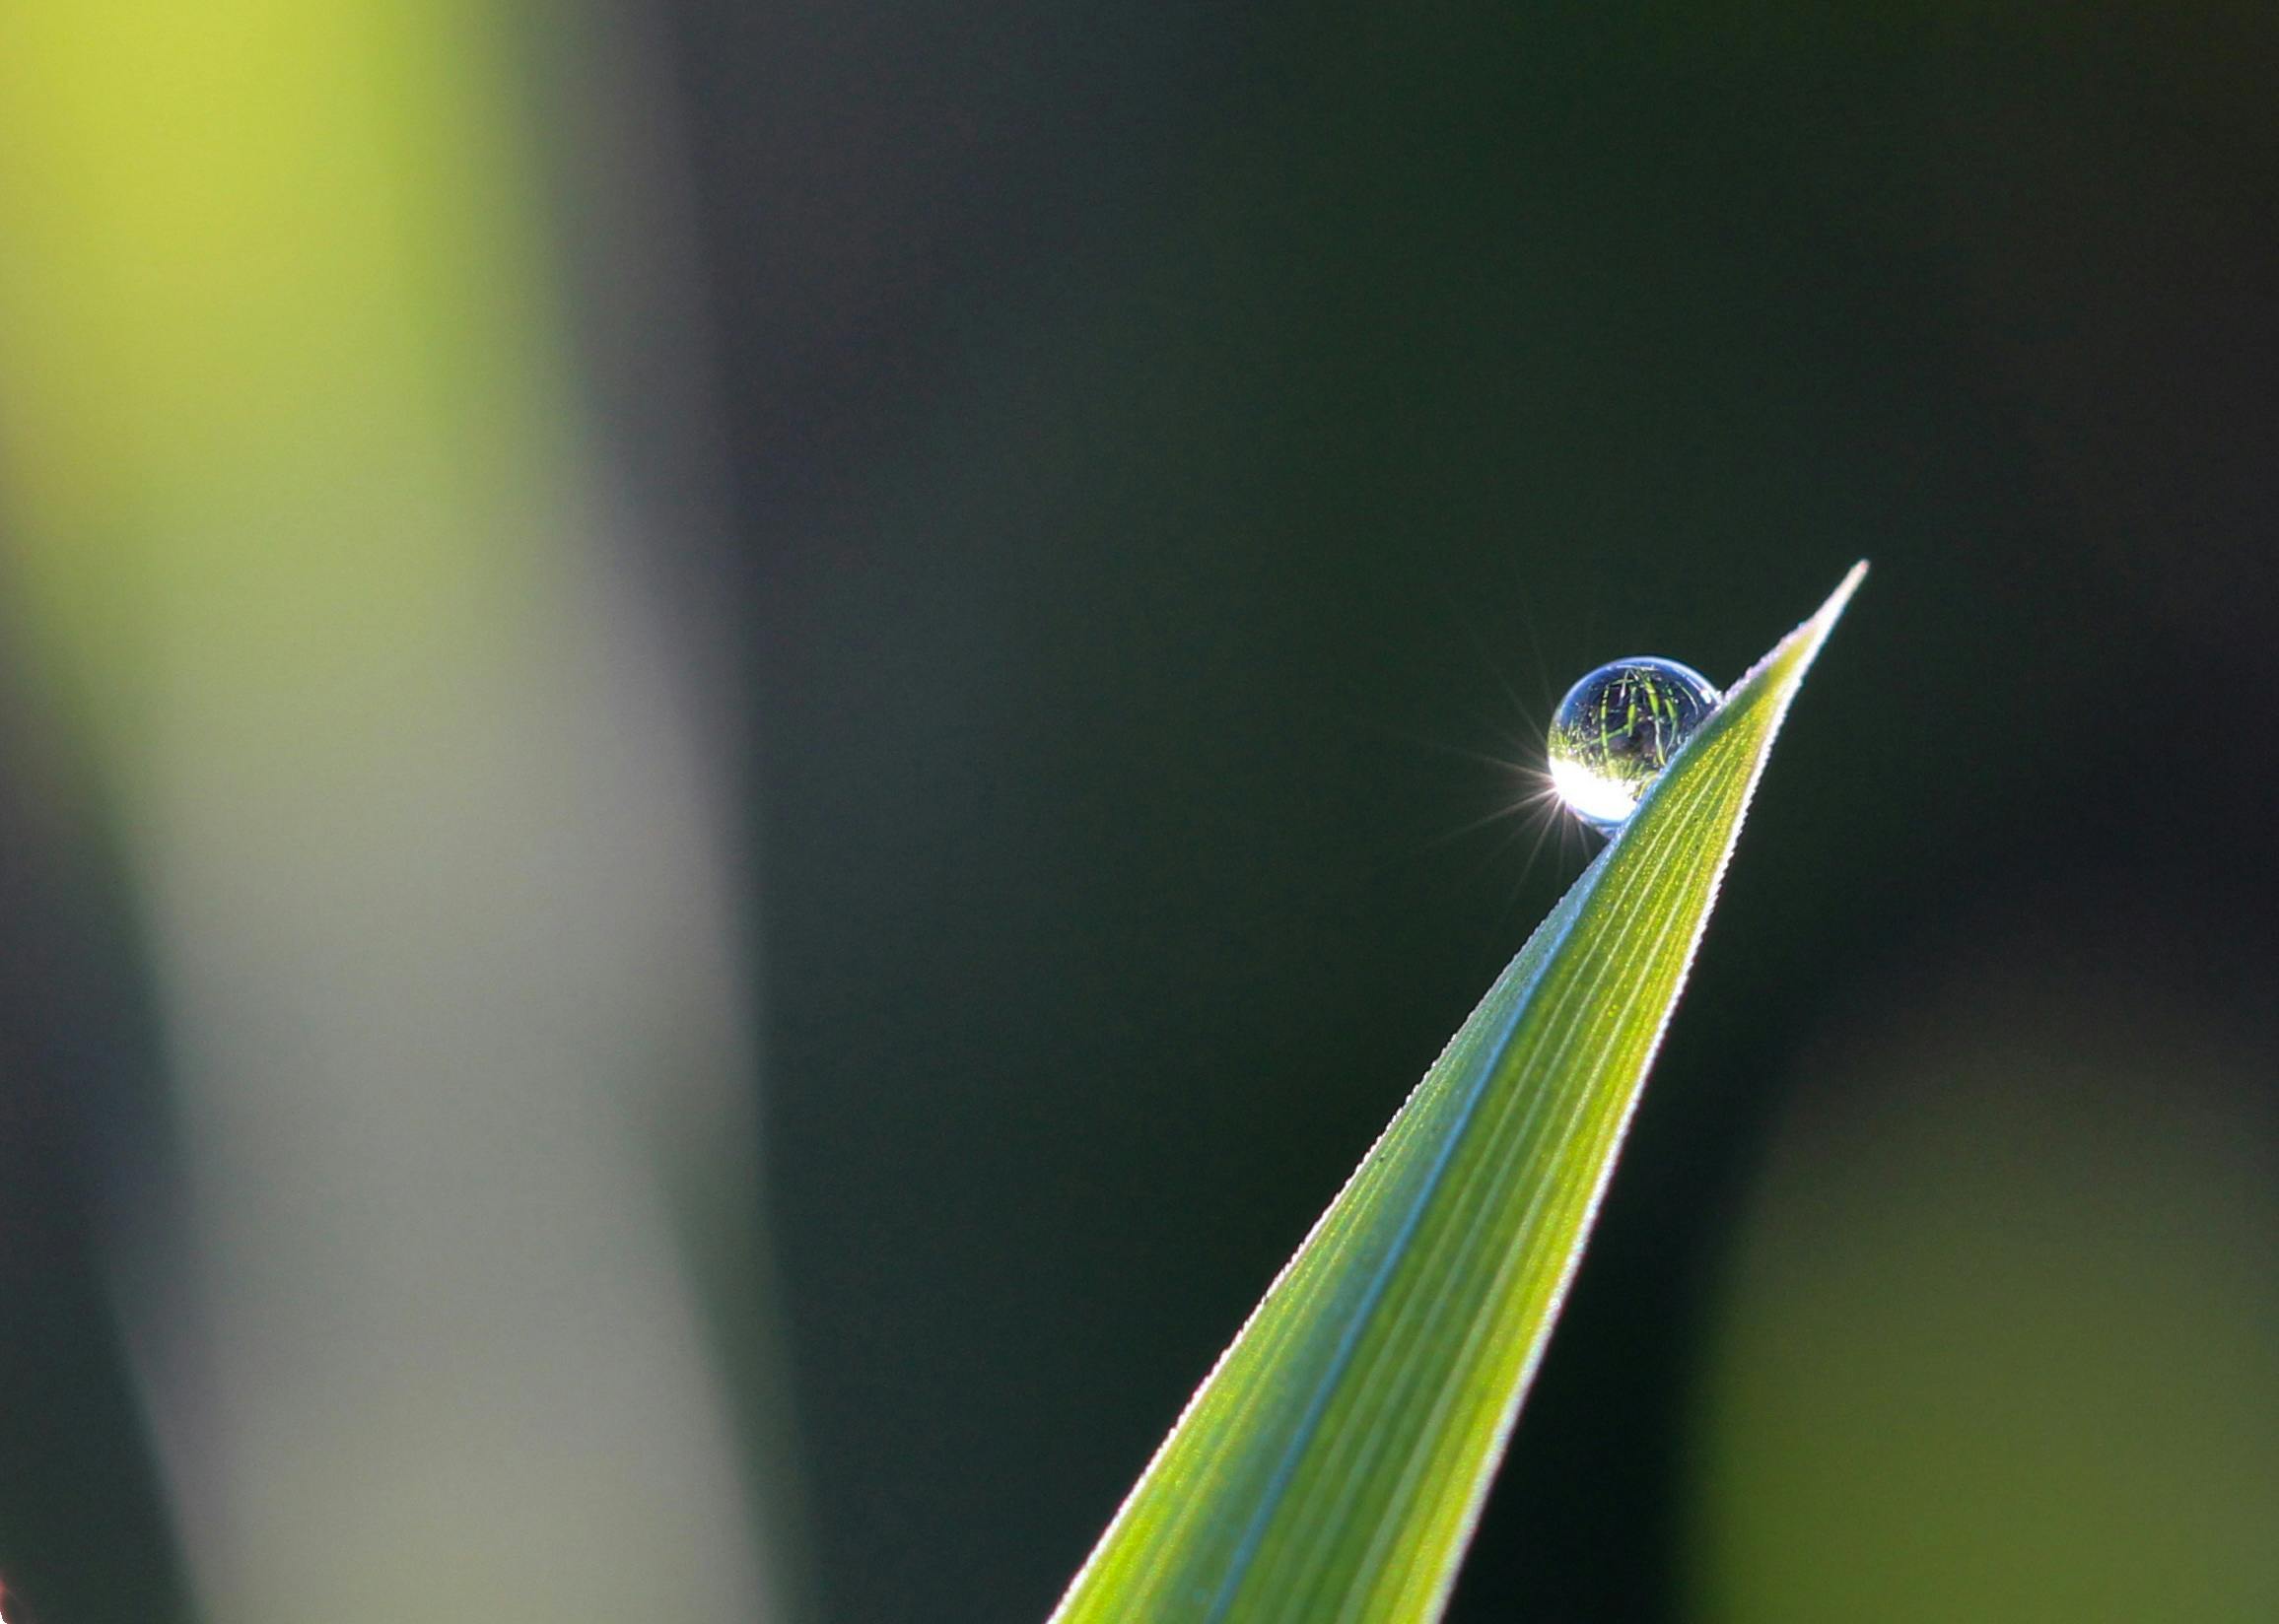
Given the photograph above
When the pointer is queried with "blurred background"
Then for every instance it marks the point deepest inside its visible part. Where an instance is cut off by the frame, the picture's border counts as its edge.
(741, 745)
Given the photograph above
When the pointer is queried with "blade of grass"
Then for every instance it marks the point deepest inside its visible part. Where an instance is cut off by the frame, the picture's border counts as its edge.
(1332, 1466)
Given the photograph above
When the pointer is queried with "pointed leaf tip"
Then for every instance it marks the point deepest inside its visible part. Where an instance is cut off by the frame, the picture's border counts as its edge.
(1333, 1463)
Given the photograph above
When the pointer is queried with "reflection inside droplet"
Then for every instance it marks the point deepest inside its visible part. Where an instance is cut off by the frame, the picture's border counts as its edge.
(1617, 728)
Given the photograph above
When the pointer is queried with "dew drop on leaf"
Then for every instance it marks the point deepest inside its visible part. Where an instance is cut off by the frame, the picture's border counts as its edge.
(1617, 728)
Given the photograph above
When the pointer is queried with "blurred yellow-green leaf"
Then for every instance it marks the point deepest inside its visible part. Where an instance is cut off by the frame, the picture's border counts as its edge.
(458, 1223)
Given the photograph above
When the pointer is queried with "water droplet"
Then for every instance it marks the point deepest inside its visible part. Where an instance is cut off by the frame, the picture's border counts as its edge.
(1617, 728)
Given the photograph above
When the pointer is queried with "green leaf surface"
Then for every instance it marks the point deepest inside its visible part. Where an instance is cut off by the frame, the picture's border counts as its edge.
(1332, 1466)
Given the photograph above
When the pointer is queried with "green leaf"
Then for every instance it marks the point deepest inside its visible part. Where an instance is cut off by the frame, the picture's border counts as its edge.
(1331, 1468)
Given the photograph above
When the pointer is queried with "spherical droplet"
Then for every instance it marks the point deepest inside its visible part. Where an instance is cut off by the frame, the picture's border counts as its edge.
(1617, 728)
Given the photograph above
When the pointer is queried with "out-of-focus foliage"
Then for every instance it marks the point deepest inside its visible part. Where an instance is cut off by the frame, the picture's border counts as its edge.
(1999, 1341)
(403, 771)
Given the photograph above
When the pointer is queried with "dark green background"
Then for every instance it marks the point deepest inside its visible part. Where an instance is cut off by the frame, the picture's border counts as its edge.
(1167, 440)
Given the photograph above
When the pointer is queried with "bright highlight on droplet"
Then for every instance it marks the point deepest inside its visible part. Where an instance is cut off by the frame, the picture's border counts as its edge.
(1617, 728)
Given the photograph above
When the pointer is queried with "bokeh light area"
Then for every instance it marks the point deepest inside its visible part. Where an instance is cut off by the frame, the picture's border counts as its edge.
(740, 745)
